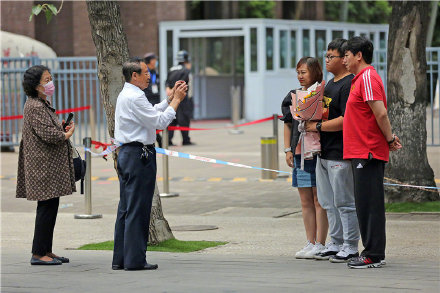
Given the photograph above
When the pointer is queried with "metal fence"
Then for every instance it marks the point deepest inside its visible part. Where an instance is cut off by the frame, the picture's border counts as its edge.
(432, 111)
(77, 86)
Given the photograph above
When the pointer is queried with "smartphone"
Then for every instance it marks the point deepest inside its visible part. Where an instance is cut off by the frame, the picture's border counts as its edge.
(69, 119)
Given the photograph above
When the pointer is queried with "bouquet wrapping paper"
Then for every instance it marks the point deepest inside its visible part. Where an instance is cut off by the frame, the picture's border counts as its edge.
(307, 106)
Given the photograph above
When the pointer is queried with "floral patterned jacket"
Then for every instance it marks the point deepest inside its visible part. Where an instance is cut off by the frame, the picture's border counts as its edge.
(45, 164)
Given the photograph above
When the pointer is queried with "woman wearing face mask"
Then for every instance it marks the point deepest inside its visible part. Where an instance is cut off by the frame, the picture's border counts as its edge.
(314, 216)
(45, 164)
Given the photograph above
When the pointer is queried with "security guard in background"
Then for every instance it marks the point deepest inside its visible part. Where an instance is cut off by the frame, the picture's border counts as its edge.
(182, 71)
(152, 91)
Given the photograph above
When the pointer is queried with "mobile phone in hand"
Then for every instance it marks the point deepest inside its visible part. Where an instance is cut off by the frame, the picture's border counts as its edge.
(69, 119)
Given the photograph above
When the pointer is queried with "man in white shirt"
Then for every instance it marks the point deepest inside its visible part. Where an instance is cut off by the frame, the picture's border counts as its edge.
(136, 121)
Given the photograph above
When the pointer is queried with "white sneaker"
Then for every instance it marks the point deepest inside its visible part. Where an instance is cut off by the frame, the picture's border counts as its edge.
(331, 249)
(304, 250)
(317, 248)
(345, 254)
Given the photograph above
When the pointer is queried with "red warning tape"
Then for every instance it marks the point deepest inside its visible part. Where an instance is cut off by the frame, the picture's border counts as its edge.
(233, 126)
(105, 145)
(64, 111)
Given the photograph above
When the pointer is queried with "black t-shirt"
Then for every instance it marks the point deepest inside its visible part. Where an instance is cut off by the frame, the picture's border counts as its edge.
(335, 99)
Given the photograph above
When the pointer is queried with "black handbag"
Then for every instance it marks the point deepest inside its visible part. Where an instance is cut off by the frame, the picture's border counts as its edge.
(79, 165)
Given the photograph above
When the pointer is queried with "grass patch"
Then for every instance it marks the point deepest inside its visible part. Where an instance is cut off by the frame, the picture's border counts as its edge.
(172, 245)
(407, 207)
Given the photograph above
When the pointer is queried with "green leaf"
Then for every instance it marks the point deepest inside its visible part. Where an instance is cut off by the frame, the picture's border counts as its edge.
(53, 9)
(30, 17)
(36, 9)
(49, 15)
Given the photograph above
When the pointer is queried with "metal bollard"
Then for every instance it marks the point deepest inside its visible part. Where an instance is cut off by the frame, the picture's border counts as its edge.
(166, 182)
(275, 134)
(236, 109)
(268, 157)
(87, 141)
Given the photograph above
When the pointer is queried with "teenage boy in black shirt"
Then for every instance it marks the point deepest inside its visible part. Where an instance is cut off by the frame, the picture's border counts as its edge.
(334, 177)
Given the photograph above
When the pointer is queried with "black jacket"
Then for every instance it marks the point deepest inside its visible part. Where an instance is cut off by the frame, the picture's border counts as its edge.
(287, 118)
(153, 98)
(180, 72)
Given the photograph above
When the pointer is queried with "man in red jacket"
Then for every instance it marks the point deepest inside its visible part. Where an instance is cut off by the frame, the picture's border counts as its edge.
(367, 140)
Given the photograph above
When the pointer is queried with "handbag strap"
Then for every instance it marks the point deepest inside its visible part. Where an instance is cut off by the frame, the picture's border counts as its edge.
(74, 148)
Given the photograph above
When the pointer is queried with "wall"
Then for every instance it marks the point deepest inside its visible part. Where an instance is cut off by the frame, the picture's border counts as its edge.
(69, 32)
(141, 19)
(15, 16)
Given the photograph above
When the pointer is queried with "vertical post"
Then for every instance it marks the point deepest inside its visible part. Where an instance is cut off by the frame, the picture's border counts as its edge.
(235, 109)
(87, 141)
(166, 182)
(275, 134)
(92, 123)
(268, 157)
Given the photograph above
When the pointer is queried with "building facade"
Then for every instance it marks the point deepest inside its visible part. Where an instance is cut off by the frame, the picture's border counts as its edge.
(68, 34)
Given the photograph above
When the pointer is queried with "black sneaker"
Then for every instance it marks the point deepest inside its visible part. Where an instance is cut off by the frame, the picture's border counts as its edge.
(325, 255)
(364, 262)
(343, 258)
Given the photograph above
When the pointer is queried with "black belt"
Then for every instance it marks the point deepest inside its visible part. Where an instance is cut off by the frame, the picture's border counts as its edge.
(139, 144)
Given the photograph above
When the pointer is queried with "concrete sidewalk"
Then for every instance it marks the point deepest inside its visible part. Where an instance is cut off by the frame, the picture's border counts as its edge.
(259, 257)
(90, 272)
(261, 221)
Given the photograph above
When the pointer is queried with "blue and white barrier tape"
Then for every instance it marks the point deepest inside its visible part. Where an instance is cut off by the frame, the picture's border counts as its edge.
(209, 160)
(166, 152)
(162, 151)
(413, 186)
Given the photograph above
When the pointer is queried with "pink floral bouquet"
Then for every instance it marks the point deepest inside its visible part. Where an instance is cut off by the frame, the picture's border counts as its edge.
(307, 106)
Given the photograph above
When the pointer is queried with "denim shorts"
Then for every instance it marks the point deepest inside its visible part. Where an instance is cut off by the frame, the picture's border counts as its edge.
(306, 177)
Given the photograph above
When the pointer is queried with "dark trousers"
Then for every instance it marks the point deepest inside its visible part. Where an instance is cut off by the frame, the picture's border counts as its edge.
(370, 205)
(137, 179)
(45, 219)
(183, 118)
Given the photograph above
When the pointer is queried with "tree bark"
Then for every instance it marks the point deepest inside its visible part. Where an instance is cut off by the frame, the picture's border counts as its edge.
(112, 51)
(159, 228)
(407, 92)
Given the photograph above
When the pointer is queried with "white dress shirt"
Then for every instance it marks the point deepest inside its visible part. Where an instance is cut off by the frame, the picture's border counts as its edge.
(136, 119)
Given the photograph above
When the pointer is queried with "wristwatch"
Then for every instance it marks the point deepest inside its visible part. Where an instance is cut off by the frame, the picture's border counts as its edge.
(318, 126)
(391, 141)
(286, 150)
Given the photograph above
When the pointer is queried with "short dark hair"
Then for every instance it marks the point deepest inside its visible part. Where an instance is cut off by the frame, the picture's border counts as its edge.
(361, 44)
(313, 66)
(132, 65)
(149, 57)
(31, 79)
(338, 45)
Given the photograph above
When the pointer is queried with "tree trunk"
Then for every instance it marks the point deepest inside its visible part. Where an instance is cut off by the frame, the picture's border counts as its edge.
(112, 51)
(159, 228)
(407, 92)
